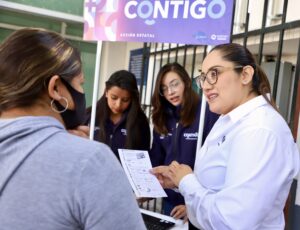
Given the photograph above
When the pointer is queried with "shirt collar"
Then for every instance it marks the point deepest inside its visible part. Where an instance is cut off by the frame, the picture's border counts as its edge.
(225, 122)
(246, 108)
(123, 118)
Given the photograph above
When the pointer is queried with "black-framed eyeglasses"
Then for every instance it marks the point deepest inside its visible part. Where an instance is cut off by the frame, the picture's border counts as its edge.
(212, 75)
(173, 86)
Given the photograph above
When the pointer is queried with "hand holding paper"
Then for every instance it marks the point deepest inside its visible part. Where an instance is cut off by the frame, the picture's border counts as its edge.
(170, 176)
(137, 166)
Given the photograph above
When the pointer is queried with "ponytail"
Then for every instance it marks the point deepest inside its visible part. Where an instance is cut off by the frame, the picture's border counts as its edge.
(261, 86)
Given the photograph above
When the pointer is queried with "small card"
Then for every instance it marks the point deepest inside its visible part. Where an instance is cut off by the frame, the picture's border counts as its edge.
(137, 165)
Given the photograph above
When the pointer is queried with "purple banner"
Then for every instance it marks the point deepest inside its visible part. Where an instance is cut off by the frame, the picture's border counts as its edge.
(175, 21)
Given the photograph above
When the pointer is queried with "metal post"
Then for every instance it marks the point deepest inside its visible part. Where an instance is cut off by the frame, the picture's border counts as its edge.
(95, 89)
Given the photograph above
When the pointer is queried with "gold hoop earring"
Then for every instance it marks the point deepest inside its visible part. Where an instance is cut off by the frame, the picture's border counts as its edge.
(59, 111)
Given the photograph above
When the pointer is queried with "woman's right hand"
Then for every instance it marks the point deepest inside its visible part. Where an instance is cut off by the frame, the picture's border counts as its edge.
(178, 171)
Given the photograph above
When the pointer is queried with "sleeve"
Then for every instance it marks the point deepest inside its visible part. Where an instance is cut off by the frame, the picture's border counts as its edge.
(257, 179)
(103, 198)
(157, 153)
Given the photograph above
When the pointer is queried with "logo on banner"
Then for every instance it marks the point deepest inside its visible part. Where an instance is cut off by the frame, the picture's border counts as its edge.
(101, 19)
(151, 10)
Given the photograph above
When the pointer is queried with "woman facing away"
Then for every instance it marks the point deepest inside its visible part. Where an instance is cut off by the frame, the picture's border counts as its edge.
(245, 168)
(120, 120)
(49, 178)
(175, 116)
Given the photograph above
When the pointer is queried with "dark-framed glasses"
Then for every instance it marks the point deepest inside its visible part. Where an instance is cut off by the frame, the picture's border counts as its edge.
(212, 75)
(173, 86)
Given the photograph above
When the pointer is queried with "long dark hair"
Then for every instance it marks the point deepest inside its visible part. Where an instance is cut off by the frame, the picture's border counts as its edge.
(135, 117)
(189, 102)
(241, 56)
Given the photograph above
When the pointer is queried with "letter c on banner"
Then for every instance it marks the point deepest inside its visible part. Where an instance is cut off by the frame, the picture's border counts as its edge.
(126, 9)
(221, 12)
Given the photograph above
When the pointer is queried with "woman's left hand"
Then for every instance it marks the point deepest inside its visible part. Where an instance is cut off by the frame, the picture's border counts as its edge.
(179, 212)
(178, 171)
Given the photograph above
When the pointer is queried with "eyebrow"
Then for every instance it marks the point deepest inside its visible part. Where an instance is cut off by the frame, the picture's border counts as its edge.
(122, 98)
(212, 67)
(170, 82)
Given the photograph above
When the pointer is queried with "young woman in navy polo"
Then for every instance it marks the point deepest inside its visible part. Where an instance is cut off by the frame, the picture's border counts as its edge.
(120, 120)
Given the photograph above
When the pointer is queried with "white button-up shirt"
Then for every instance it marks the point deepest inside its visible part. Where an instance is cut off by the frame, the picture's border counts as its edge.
(243, 172)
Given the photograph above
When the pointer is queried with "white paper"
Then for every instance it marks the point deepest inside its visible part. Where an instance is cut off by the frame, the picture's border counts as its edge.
(136, 164)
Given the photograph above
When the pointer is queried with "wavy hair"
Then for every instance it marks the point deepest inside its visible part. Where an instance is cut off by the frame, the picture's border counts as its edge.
(189, 102)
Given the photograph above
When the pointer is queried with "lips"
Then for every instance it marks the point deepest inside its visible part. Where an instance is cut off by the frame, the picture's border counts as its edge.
(211, 97)
(174, 99)
(117, 111)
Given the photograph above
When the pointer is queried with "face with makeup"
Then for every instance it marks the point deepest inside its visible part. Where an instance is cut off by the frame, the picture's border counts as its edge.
(172, 88)
(229, 87)
(118, 100)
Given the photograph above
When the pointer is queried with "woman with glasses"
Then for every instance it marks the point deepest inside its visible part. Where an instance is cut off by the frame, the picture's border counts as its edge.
(175, 116)
(120, 120)
(245, 168)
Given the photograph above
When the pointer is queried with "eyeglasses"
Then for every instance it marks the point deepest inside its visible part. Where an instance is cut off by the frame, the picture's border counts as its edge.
(212, 75)
(173, 86)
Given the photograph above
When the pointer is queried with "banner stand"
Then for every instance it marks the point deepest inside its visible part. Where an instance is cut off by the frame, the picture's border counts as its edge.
(202, 117)
(95, 89)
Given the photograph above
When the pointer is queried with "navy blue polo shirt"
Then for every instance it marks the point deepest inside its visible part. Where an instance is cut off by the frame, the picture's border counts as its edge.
(116, 134)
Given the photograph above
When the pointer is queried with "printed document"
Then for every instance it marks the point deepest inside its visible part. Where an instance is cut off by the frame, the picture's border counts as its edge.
(137, 164)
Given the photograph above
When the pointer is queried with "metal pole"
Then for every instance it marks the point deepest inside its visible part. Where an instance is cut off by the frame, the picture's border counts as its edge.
(95, 89)
(145, 56)
(202, 118)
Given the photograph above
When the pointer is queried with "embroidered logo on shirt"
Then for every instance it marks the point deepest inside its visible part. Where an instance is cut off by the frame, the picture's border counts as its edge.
(191, 136)
(162, 136)
(124, 132)
(221, 142)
